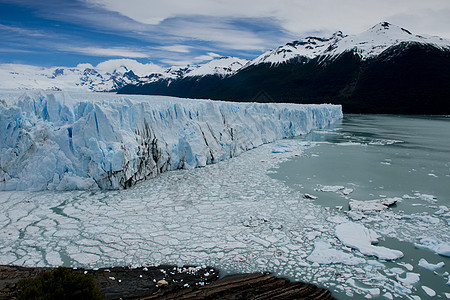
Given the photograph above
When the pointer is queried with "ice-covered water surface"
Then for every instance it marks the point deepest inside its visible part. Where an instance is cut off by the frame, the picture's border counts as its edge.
(235, 216)
(390, 174)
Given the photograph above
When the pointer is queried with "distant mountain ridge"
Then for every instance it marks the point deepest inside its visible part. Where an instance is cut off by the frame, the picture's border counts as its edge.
(385, 69)
(109, 76)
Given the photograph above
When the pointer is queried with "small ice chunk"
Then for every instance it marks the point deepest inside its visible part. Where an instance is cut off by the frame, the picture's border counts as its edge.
(309, 196)
(358, 237)
(409, 279)
(347, 191)
(430, 292)
(331, 188)
(434, 245)
(372, 205)
(408, 267)
(432, 267)
(372, 292)
(323, 253)
(426, 197)
(252, 221)
(397, 270)
(337, 219)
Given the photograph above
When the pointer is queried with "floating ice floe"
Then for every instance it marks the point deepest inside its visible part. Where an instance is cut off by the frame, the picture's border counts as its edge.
(323, 253)
(426, 197)
(409, 279)
(360, 209)
(347, 191)
(372, 205)
(359, 237)
(434, 245)
(423, 218)
(371, 292)
(432, 267)
(330, 188)
(430, 292)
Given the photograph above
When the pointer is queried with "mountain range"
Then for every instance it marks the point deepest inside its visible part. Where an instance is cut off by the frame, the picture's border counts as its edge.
(386, 69)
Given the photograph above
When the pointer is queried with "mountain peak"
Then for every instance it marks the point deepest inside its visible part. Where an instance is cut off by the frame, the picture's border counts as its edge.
(221, 66)
(367, 44)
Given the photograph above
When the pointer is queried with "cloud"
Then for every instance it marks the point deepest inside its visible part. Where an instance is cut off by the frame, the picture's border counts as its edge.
(21, 31)
(226, 33)
(205, 57)
(138, 68)
(176, 48)
(112, 52)
(294, 16)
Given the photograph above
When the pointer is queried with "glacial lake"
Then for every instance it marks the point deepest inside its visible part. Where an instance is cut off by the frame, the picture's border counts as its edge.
(265, 210)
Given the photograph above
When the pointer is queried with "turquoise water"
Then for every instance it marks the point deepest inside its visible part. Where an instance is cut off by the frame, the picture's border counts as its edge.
(379, 156)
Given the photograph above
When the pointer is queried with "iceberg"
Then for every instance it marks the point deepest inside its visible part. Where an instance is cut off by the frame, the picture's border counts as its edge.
(358, 237)
(432, 267)
(323, 253)
(435, 245)
(65, 141)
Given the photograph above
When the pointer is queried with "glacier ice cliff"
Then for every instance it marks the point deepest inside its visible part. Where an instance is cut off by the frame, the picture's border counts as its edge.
(63, 141)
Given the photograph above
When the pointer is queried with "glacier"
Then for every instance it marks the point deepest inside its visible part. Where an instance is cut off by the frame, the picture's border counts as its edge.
(76, 140)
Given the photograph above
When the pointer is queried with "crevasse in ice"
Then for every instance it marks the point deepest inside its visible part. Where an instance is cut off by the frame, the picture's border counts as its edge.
(63, 141)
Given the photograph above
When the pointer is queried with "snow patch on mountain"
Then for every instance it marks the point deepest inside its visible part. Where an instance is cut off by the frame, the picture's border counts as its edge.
(61, 141)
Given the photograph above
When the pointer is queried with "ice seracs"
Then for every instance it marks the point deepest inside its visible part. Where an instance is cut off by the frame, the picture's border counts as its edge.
(97, 140)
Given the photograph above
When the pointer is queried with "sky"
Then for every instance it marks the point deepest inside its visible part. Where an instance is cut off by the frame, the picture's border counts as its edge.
(179, 32)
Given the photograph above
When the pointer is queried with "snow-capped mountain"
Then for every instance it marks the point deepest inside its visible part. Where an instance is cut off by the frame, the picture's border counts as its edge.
(107, 76)
(386, 69)
(221, 67)
(367, 44)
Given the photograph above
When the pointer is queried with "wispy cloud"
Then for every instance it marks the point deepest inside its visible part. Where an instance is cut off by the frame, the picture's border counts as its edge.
(110, 52)
(176, 48)
(208, 56)
(21, 31)
(224, 32)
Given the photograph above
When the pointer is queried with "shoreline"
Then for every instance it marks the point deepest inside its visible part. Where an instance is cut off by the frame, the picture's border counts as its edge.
(187, 282)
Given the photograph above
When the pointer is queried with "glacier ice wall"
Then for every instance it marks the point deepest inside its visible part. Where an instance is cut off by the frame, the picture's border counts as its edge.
(63, 141)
